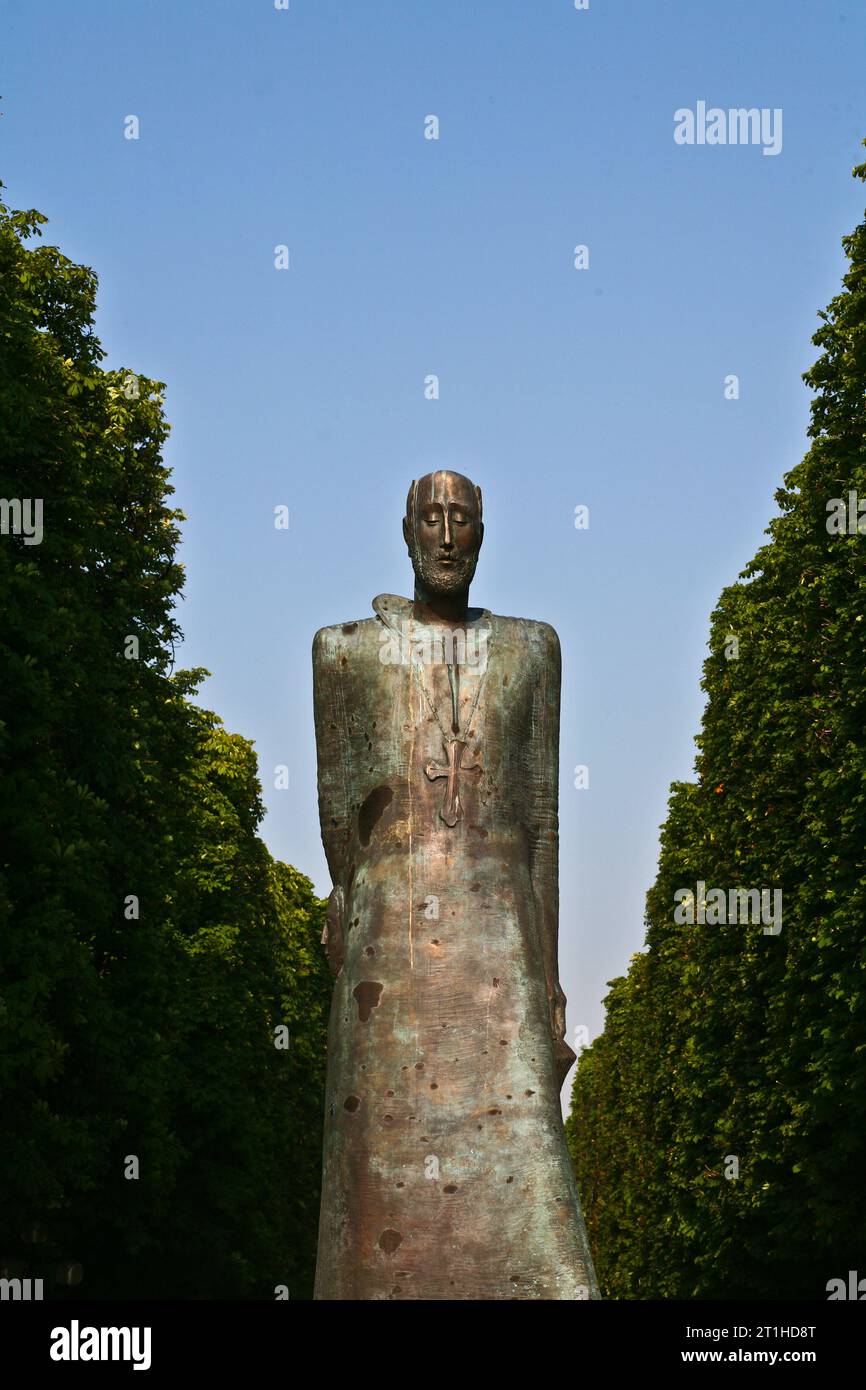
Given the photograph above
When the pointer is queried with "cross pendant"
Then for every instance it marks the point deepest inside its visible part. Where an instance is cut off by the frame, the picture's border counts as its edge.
(451, 811)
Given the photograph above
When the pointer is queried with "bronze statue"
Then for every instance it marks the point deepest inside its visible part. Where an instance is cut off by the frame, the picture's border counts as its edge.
(445, 1171)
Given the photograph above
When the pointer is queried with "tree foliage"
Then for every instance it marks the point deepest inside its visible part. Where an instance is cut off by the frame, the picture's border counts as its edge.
(722, 1040)
(149, 945)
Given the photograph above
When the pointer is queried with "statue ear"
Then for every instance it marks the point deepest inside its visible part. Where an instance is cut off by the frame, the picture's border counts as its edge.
(409, 518)
(480, 514)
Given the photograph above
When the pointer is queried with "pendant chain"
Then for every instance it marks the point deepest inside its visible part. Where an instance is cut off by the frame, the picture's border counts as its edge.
(454, 682)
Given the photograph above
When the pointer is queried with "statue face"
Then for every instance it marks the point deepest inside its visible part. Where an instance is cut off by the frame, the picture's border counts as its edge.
(443, 531)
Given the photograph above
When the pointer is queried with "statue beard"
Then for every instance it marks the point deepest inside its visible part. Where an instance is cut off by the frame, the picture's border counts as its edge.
(437, 578)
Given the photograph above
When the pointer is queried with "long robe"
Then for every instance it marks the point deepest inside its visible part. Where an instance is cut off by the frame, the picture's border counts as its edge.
(445, 1168)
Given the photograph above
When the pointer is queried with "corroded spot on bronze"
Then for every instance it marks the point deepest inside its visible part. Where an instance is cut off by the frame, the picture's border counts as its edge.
(368, 993)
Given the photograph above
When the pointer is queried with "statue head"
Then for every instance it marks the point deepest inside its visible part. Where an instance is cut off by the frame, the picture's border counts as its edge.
(443, 531)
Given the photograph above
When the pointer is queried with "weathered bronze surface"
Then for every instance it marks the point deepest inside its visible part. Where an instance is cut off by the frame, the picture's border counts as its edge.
(445, 1173)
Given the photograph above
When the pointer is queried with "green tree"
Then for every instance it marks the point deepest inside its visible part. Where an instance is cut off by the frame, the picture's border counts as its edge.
(758, 1048)
(149, 945)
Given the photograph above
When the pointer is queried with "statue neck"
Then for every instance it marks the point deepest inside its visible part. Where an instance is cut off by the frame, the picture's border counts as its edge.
(446, 608)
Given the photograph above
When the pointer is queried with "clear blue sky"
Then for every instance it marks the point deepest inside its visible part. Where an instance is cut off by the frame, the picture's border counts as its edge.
(410, 257)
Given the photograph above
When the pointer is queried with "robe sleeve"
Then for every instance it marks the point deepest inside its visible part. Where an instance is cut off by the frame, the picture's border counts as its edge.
(335, 811)
(542, 776)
